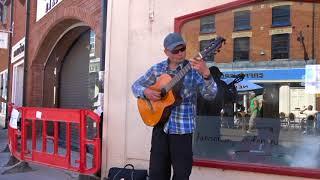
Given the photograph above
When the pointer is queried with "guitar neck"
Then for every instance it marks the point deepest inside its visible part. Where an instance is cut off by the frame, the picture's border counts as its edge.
(178, 77)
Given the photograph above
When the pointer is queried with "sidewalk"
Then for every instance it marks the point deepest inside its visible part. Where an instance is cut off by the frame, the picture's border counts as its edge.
(38, 171)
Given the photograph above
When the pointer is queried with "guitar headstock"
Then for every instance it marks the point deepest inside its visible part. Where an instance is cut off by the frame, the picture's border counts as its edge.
(213, 47)
(238, 78)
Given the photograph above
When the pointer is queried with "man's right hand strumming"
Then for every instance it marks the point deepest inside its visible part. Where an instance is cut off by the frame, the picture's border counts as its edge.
(152, 94)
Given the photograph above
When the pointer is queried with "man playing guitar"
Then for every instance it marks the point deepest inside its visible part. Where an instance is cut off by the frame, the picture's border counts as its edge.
(171, 142)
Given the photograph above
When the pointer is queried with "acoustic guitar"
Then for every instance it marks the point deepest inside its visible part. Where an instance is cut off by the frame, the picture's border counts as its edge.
(155, 112)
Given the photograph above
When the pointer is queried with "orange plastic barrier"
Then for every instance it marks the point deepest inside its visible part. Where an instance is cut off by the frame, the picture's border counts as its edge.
(30, 141)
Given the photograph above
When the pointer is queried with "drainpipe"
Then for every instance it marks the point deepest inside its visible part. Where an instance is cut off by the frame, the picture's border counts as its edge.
(9, 59)
(26, 54)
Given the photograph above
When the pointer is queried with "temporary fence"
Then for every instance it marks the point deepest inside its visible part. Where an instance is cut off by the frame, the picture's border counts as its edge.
(34, 137)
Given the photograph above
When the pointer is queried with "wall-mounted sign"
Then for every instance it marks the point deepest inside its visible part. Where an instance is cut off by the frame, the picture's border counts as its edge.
(18, 50)
(264, 75)
(3, 40)
(45, 6)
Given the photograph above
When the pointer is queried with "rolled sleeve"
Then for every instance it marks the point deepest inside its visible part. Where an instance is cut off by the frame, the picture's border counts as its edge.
(142, 83)
(208, 88)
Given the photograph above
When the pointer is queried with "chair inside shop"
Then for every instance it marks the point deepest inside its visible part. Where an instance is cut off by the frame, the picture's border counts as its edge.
(283, 120)
(292, 120)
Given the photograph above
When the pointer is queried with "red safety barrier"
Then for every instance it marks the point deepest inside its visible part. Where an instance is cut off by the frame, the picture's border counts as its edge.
(30, 141)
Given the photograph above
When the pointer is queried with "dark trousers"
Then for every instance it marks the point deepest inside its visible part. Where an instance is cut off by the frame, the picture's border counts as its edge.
(167, 150)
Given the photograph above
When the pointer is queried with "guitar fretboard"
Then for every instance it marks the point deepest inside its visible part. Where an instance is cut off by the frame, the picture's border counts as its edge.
(177, 77)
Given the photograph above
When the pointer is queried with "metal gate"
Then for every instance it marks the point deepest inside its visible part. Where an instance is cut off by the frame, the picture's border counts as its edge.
(44, 149)
(74, 84)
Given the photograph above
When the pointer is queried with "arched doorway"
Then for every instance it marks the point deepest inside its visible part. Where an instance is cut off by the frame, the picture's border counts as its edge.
(71, 77)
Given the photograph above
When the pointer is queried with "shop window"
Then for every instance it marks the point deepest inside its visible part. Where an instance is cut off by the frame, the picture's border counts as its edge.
(242, 20)
(203, 44)
(281, 16)
(241, 49)
(280, 46)
(207, 24)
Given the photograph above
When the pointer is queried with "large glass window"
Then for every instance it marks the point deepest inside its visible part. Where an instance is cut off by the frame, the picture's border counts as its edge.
(241, 49)
(242, 20)
(280, 46)
(281, 16)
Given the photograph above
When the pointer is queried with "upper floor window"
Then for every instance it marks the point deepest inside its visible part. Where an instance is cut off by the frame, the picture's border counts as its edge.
(3, 13)
(204, 44)
(241, 49)
(207, 24)
(281, 16)
(242, 20)
(280, 46)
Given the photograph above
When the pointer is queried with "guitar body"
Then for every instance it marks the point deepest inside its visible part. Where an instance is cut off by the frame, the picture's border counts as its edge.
(155, 112)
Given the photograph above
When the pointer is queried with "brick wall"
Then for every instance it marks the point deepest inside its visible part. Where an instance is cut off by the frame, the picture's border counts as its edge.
(19, 19)
(261, 22)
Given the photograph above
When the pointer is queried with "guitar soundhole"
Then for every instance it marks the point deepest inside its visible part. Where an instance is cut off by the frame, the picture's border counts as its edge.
(163, 93)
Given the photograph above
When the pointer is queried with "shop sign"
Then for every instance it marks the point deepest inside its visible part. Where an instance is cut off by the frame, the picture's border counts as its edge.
(18, 50)
(296, 74)
(3, 40)
(45, 6)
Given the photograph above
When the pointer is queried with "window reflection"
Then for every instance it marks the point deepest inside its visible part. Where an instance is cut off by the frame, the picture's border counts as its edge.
(275, 48)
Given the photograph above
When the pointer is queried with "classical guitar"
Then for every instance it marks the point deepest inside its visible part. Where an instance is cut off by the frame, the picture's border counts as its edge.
(154, 112)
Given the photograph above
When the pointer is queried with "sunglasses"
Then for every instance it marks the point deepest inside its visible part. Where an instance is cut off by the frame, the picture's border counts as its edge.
(176, 51)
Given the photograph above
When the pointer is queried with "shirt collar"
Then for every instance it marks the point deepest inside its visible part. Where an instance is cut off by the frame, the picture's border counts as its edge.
(179, 67)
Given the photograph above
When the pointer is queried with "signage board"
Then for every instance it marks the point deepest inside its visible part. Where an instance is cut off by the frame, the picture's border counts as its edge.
(18, 50)
(45, 6)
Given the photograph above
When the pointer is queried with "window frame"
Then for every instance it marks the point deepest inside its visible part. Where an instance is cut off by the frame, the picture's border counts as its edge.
(242, 20)
(279, 12)
(273, 48)
(235, 51)
(208, 24)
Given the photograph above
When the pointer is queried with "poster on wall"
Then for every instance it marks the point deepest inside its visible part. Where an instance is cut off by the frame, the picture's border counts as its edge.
(45, 6)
